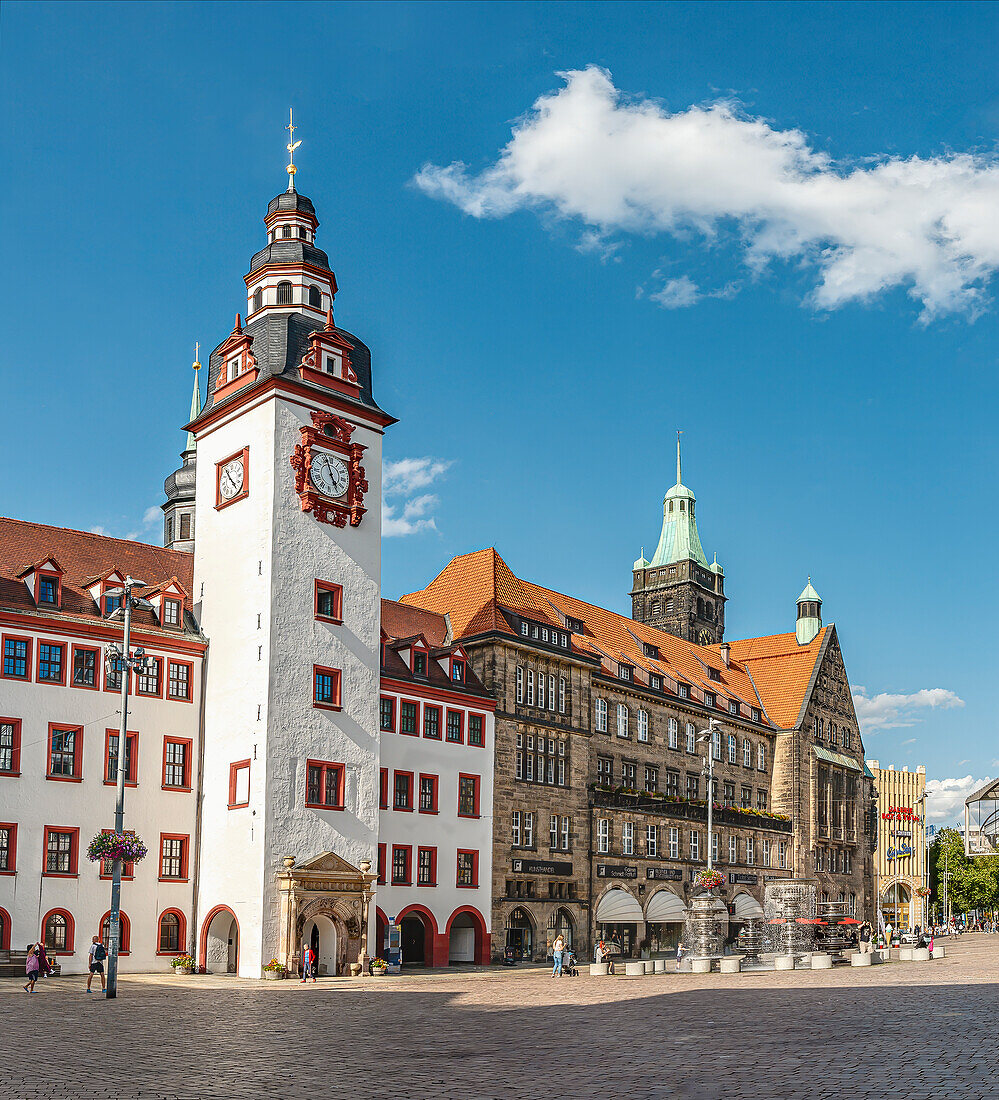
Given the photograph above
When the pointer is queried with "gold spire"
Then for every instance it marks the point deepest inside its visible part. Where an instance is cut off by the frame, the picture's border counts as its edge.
(196, 364)
(291, 147)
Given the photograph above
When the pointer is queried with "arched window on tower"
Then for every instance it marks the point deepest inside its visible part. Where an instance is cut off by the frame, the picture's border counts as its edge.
(681, 506)
(284, 294)
(301, 233)
(285, 230)
(258, 299)
(315, 297)
(700, 608)
(671, 506)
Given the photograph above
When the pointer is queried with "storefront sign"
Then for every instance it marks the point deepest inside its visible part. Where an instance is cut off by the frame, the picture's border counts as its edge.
(900, 813)
(541, 867)
(743, 880)
(899, 852)
(673, 874)
(616, 870)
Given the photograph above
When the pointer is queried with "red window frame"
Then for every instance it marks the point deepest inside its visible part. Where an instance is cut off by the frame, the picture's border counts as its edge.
(131, 765)
(124, 931)
(436, 788)
(390, 728)
(325, 765)
(395, 776)
(28, 659)
(96, 685)
(189, 697)
(189, 748)
(158, 693)
(11, 826)
(408, 849)
(64, 646)
(77, 776)
(234, 769)
(477, 781)
(433, 864)
(381, 864)
(164, 622)
(181, 932)
(468, 737)
(383, 788)
(430, 708)
(106, 866)
(15, 756)
(51, 575)
(460, 739)
(336, 590)
(475, 869)
(185, 849)
(74, 852)
(337, 677)
(245, 452)
(415, 704)
(70, 947)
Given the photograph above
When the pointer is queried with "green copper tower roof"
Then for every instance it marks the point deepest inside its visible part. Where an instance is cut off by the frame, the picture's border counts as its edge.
(809, 593)
(679, 539)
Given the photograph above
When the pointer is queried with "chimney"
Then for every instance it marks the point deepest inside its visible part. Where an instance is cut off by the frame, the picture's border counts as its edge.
(725, 649)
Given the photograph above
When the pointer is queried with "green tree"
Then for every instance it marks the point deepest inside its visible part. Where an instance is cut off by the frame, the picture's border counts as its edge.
(974, 882)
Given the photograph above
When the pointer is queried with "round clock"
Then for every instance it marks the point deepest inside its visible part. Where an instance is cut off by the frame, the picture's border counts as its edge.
(231, 479)
(329, 475)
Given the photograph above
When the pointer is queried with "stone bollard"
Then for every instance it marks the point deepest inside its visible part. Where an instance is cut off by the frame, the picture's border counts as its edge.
(940, 951)
(660, 966)
(877, 957)
(783, 962)
(599, 969)
(700, 966)
(856, 959)
(905, 954)
(634, 968)
(920, 954)
(730, 964)
(821, 961)
(650, 966)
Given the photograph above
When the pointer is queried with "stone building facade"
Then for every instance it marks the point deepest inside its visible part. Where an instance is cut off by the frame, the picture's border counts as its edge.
(901, 857)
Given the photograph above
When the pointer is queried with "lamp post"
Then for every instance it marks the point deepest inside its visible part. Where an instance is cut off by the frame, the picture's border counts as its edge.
(126, 660)
(708, 736)
(921, 824)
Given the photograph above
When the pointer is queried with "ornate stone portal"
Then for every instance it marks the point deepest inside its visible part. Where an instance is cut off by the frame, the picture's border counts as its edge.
(330, 887)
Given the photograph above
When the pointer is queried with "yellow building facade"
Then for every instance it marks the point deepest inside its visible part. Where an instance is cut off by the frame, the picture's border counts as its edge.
(900, 857)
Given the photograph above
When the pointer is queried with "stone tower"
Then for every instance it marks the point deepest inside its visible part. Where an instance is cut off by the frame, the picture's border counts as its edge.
(677, 590)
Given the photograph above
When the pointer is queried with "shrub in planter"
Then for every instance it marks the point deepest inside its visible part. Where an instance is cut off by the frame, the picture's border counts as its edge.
(183, 964)
(124, 846)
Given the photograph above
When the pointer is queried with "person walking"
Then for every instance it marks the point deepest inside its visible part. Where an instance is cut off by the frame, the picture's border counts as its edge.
(865, 935)
(308, 964)
(98, 953)
(44, 965)
(31, 968)
(558, 952)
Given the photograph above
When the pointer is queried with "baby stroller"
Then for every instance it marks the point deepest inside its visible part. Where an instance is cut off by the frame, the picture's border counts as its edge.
(569, 967)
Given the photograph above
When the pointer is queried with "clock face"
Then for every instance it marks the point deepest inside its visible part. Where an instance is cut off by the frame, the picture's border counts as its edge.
(329, 474)
(231, 479)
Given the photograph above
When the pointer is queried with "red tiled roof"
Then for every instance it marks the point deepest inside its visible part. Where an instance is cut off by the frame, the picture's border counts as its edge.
(82, 556)
(401, 621)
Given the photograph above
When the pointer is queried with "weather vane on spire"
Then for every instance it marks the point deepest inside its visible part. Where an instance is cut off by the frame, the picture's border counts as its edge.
(196, 364)
(291, 147)
(678, 434)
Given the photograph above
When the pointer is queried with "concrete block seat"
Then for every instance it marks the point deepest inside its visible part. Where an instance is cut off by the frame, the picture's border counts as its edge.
(634, 968)
(821, 960)
(700, 966)
(783, 962)
(920, 954)
(856, 959)
(940, 951)
(660, 966)
(730, 964)
(905, 954)
(599, 969)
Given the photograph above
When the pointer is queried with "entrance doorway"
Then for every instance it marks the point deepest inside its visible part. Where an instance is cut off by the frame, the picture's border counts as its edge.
(323, 941)
(520, 934)
(414, 941)
(220, 942)
(560, 923)
(895, 905)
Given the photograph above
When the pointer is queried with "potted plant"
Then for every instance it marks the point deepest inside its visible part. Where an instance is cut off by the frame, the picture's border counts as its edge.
(379, 968)
(124, 846)
(275, 970)
(183, 964)
(708, 880)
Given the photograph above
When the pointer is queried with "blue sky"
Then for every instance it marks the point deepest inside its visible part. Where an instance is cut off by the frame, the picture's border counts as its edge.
(716, 224)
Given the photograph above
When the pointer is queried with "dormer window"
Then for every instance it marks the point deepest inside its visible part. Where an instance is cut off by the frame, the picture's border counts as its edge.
(575, 625)
(232, 368)
(315, 297)
(683, 691)
(171, 612)
(458, 671)
(544, 633)
(733, 707)
(419, 663)
(656, 683)
(651, 651)
(524, 628)
(284, 294)
(111, 604)
(709, 698)
(333, 364)
(754, 714)
(714, 673)
(624, 672)
(48, 590)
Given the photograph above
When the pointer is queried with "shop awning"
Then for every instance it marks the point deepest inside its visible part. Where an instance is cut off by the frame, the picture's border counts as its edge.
(665, 906)
(746, 907)
(617, 906)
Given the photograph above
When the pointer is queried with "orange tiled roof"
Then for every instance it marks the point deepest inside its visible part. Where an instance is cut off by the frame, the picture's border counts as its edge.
(769, 673)
(82, 556)
(402, 621)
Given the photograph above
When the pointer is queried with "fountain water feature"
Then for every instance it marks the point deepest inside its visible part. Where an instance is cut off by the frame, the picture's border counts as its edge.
(789, 910)
(706, 926)
(750, 943)
(832, 934)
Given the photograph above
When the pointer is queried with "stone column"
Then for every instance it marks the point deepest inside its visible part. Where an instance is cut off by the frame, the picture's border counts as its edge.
(365, 868)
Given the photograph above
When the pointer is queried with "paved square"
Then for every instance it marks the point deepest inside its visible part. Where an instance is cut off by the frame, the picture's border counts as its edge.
(912, 1030)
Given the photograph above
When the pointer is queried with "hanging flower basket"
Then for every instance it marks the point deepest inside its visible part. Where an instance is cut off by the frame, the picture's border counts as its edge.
(124, 846)
(708, 880)
(923, 892)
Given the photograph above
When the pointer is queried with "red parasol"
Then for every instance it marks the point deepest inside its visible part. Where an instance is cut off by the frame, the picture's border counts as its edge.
(849, 920)
(777, 920)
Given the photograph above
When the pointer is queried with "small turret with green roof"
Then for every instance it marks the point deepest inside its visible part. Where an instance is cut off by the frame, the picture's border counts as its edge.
(809, 614)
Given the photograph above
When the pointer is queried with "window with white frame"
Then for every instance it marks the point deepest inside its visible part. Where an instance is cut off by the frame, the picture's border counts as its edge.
(561, 695)
(651, 778)
(761, 757)
(565, 834)
(782, 855)
(628, 838)
(530, 687)
(853, 905)
(652, 841)
(603, 836)
(551, 692)
(765, 851)
(750, 850)
(691, 738)
(515, 829)
(643, 725)
(747, 753)
(529, 775)
(553, 832)
(674, 842)
(600, 715)
(716, 746)
(714, 846)
(529, 829)
(520, 684)
(622, 720)
(695, 845)
(674, 733)
(733, 849)
(733, 748)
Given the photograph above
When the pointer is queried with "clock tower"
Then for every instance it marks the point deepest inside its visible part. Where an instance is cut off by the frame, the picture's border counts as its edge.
(287, 589)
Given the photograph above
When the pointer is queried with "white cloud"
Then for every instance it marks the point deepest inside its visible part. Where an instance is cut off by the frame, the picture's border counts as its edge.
(98, 530)
(400, 479)
(945, 797)
(886, 711)
(623, 164)
(153, 514)
(677, 293)
(911, 741)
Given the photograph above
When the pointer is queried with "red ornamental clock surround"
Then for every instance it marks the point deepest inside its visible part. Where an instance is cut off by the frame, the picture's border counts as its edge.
(330, 433)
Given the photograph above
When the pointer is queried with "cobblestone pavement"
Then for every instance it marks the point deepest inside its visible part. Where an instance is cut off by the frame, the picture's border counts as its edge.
(913, 1030)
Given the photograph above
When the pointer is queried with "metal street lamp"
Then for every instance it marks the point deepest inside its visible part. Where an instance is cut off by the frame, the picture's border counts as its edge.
(708, 736)
(123, 659)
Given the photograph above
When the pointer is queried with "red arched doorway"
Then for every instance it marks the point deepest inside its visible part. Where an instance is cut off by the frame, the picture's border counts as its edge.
(419, 937)
(219, 945)
(376, 949)
(4, 930)
(467, 935)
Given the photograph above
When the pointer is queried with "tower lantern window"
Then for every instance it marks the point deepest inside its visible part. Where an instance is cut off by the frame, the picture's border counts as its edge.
(301, 233)
(285, 230)
(258, 299)
(315, 297)
(284, 294)
(681, 505)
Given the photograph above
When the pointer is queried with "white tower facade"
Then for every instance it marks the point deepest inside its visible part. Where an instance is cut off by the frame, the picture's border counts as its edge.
(287, 588)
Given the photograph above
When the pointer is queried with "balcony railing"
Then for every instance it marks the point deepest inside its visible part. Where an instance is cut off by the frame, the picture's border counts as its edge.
(687, 810)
